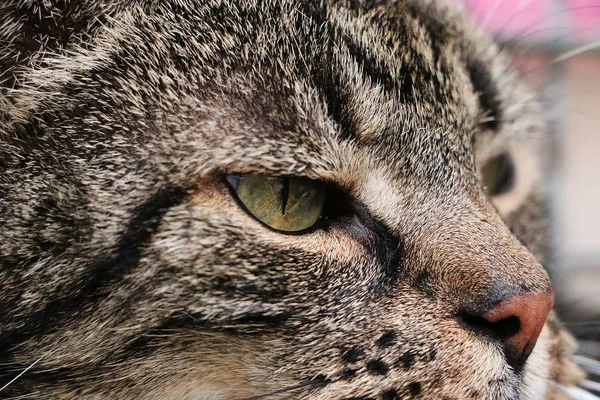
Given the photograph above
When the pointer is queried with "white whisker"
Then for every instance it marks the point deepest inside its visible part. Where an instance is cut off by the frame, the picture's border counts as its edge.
(22, 372)
(589, 365)
(580, 394)
(575, 52)
(491, 13)
(590, 385)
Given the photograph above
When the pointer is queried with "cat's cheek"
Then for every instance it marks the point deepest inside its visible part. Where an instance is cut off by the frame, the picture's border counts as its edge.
(211, 373)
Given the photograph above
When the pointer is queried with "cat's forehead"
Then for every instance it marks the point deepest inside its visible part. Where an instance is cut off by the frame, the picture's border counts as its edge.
(400, 80)
(379, 71)
(393, 74)
(393, 78)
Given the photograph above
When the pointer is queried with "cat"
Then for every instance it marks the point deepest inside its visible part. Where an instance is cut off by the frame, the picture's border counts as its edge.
(210, 199)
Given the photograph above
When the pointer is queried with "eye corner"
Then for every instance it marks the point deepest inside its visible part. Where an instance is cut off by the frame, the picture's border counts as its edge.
(232, 180)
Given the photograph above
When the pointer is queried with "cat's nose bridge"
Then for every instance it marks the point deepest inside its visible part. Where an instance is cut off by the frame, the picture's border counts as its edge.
(477, 262)
(459, 246)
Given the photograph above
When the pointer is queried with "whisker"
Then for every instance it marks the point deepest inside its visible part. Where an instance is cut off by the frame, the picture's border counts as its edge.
(590, 385)
(22, 372)
(595, 323)
(491, 13)
(565, 56)
(536, 24)
(589, 365)
(580, 394)
(576, 52)
(288, 389)
(585, 331)
(553, 45)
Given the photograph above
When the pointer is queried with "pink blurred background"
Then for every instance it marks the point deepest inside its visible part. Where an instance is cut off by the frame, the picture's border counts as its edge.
(539, 18)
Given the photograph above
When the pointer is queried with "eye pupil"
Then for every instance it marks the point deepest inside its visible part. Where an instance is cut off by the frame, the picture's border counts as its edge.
(498, 175)
(285, 193)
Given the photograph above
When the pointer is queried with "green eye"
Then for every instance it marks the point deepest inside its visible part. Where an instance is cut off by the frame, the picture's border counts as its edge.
(286, 204)
(498, 175)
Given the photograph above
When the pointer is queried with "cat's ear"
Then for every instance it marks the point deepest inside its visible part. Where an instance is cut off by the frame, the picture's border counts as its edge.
(36, 31)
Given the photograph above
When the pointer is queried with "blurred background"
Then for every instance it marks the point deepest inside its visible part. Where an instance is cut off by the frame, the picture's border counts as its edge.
(556, 45)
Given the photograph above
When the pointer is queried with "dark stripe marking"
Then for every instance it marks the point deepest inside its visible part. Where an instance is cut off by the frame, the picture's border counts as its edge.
(141, 228)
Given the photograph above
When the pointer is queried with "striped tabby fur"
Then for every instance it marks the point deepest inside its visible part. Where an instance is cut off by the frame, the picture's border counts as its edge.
(128, 270)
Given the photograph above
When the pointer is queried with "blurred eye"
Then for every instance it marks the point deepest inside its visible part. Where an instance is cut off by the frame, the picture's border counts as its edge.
(498, 175)
(285, 204)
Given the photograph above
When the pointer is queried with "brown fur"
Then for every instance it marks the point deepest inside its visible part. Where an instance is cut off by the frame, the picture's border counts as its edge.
(129, 270)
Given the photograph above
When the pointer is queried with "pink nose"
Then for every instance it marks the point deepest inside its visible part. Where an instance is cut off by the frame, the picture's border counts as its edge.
(527, 314)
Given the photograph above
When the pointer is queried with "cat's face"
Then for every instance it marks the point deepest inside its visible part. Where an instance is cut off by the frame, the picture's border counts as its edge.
(141, 257)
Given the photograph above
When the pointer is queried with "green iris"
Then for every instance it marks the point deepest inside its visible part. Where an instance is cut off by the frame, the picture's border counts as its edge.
(498, 175)
(287, 204)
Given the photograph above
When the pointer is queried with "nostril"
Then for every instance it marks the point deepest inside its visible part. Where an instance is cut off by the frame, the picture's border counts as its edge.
(500, 330)
(516, 322)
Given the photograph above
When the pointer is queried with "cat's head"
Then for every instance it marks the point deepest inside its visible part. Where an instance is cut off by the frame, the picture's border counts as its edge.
(226, 200)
